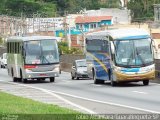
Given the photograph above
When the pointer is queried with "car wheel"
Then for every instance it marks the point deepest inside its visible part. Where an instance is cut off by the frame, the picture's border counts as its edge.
(76, 76)
(72, 76)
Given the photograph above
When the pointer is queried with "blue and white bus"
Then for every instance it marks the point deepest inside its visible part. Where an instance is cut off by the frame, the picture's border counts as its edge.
(120, 55)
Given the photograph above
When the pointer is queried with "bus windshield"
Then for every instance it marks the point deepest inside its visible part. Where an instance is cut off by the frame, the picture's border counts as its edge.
(41, 52)
(133, 52)
(97, 45)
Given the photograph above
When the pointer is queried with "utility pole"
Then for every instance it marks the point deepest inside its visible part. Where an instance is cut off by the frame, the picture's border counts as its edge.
(67, 30)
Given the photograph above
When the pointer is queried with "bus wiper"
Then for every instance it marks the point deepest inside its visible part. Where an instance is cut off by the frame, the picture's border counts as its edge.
(143, 63)
(82, 66)
(44, 58)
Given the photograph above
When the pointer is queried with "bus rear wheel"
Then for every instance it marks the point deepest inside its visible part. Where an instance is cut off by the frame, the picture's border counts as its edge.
(145, 82)
(52, 79)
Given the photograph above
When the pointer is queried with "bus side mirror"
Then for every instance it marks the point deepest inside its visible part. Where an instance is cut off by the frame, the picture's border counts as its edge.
(112, 48)
(23, 52)
(73, 67)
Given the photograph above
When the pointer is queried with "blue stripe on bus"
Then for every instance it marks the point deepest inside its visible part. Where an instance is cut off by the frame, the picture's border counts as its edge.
(130, 70)
(133, 37)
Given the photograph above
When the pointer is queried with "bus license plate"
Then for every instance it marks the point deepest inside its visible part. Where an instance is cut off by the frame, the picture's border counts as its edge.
(137, 77)
(42, 75)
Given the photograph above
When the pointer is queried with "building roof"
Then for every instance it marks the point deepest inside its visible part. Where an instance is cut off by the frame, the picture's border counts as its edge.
(89, 19)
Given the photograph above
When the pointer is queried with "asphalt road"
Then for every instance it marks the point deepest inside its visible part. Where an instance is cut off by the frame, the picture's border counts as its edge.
(125, 98)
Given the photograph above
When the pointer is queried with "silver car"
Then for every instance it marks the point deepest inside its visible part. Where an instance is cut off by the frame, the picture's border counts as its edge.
(3, 60)
(79, 69)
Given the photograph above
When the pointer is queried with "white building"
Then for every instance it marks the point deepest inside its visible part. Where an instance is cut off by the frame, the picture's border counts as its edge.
(38, 24)
(120, 16)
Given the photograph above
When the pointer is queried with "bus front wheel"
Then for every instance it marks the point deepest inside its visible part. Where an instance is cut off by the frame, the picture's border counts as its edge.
(113, 83)
(145, 82)
(96, 81)
(52, 79)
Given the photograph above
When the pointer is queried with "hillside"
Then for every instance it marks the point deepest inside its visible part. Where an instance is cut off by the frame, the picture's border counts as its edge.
(50, 8)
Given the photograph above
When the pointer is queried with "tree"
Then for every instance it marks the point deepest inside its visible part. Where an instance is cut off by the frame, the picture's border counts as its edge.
(142, 9)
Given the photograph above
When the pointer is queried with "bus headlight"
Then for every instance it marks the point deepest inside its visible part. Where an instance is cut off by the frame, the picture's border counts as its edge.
(56, 69)
(150, 69)
(28, 70)
(117, 69)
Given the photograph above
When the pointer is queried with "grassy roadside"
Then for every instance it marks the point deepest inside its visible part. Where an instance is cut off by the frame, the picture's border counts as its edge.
(18, 108)
(10, 104)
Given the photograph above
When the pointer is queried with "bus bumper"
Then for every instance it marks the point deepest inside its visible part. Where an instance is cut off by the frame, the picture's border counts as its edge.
(136, 77)
(31, 75)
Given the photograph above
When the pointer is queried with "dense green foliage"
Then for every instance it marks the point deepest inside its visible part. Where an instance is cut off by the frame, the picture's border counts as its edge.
(1, 41)
(64, 49)
(142, 9)
(27, 7)
(50, 8)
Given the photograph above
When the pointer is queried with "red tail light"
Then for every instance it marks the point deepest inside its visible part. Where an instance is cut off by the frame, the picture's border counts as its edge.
(29, 66)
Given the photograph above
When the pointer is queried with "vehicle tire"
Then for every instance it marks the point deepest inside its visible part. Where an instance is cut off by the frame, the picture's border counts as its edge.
(21, 77)
(72, 76)
(15, 79)
(113, 83)
(38, 79)
(96, 81)
(24, 80)
(145, 82)
(52, 79)
(77, 78)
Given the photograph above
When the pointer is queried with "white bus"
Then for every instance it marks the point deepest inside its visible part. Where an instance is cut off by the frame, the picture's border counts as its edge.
(32, 57)
(120, 55)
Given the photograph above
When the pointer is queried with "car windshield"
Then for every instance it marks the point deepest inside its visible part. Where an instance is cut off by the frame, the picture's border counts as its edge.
(133, 52)
(5, 56)
(41, 52)
(81, 63)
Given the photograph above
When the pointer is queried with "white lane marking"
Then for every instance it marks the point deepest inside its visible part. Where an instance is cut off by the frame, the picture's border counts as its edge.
(98, 101)
(59, 97)
(140, 92)
(109, 103)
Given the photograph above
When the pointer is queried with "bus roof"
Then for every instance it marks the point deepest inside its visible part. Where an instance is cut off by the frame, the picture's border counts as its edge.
(121, 34)
(29, 38)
